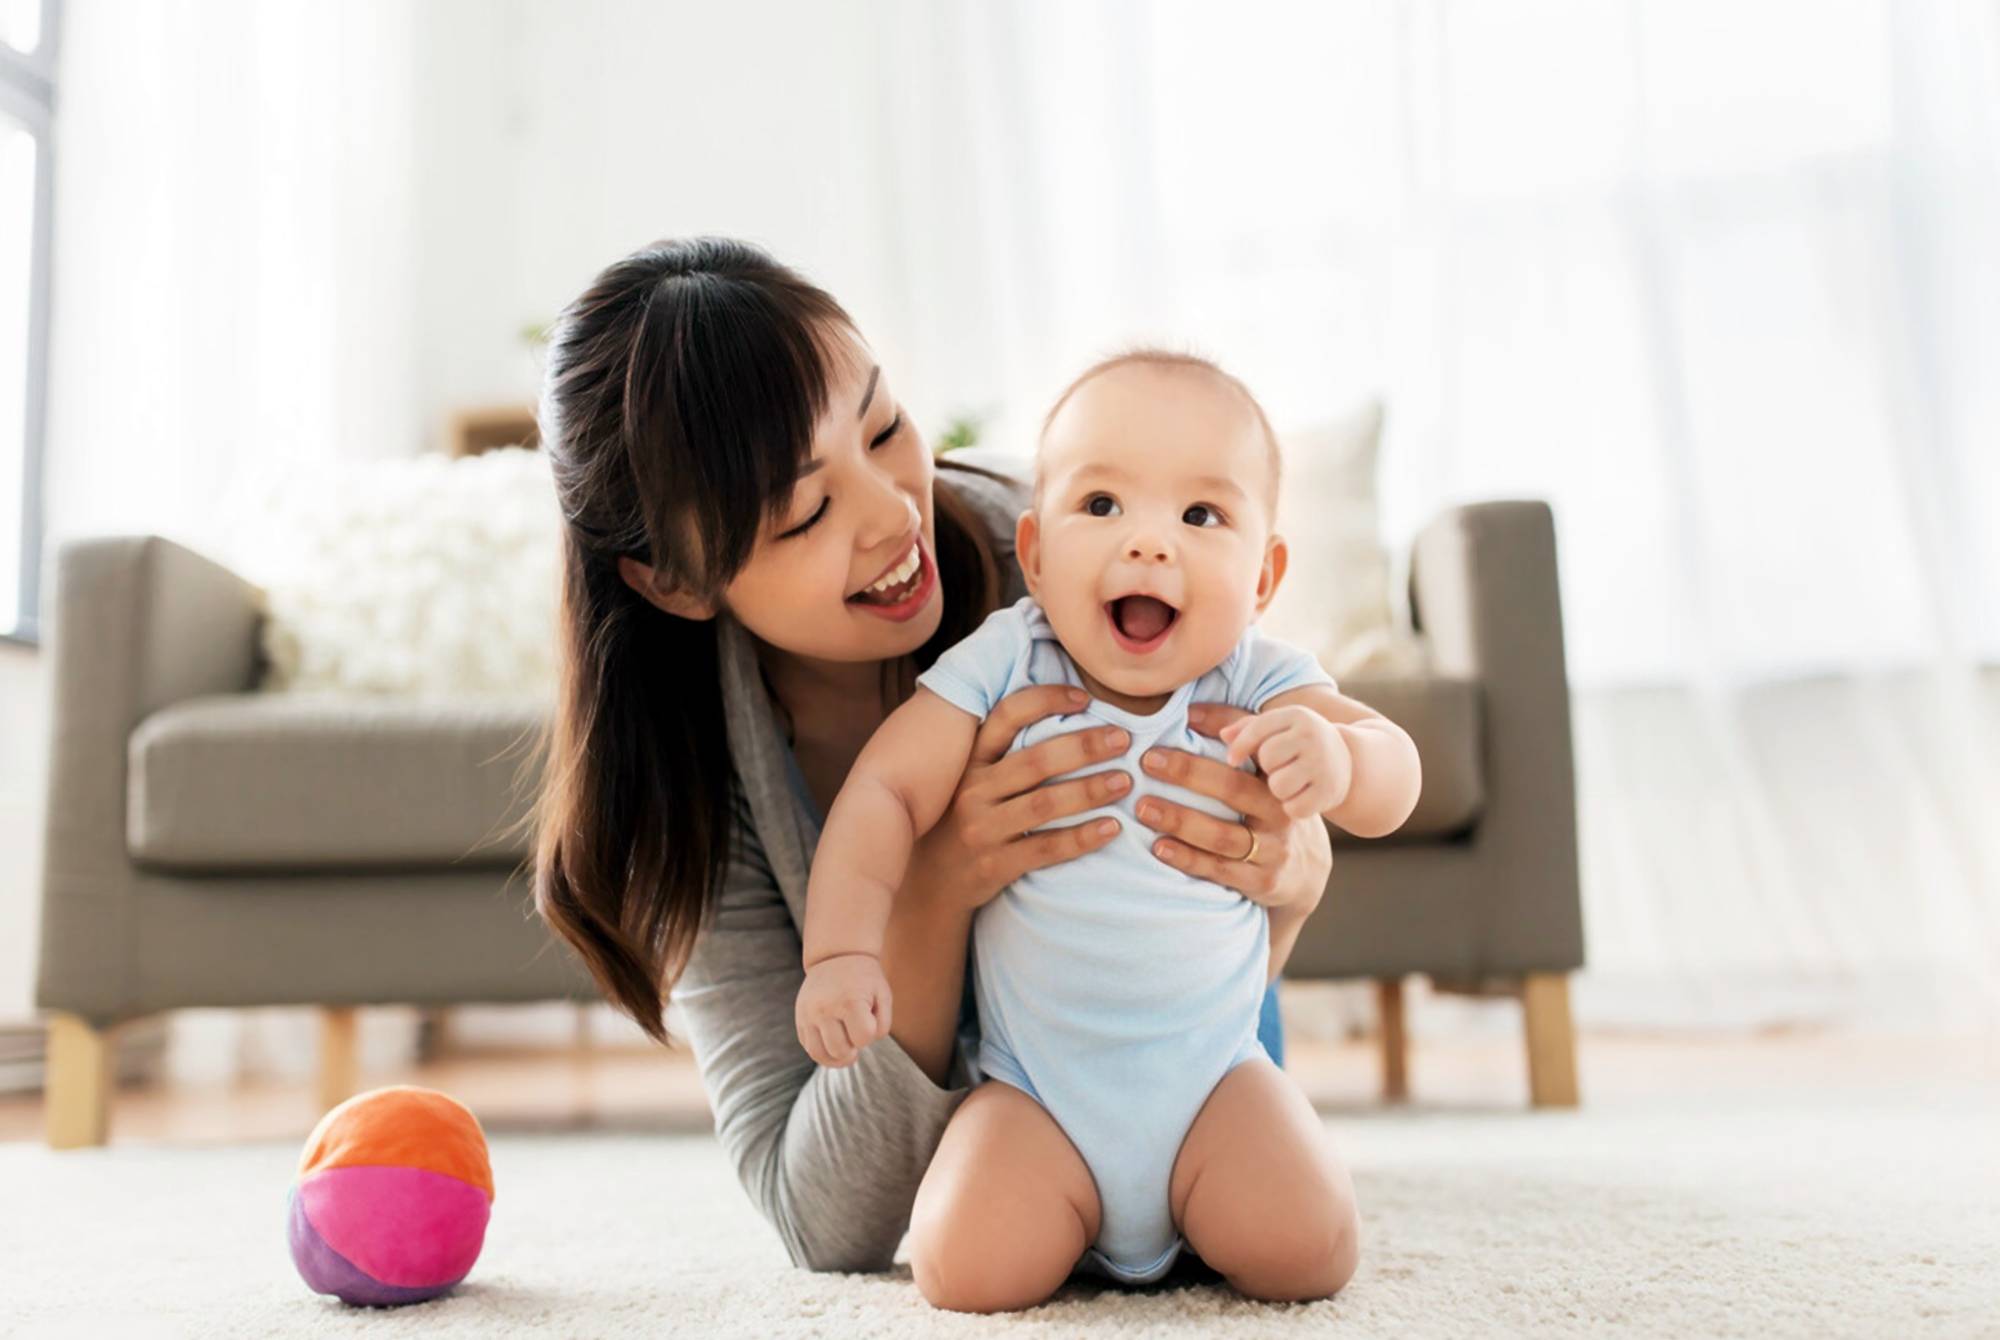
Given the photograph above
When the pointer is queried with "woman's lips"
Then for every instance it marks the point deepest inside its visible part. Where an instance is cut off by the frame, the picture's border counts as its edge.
(908, 607)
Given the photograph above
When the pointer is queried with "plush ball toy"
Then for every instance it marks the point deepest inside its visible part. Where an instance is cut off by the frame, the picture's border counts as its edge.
(392, 1197)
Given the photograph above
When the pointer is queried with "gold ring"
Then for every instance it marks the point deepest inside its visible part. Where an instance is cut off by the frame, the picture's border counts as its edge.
(1251, 855)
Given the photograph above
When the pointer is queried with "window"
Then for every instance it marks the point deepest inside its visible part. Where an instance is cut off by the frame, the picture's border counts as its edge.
(27, 111)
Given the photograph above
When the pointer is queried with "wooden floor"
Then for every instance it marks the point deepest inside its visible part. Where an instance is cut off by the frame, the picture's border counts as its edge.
(650, 1089)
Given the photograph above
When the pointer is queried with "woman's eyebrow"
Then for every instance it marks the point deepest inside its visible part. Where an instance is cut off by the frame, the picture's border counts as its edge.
(873, 373)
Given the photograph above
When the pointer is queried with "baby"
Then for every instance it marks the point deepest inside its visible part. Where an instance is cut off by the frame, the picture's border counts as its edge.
(1113, 989)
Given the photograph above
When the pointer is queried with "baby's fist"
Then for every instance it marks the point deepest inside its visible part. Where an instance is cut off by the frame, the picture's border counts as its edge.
(1304, 757)
(843, 1006)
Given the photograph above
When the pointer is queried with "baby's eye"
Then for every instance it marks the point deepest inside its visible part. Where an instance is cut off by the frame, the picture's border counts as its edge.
(1090, 504)
(1205, 510)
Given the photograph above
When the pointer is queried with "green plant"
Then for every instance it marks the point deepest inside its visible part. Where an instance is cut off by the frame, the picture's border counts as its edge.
(961, 430)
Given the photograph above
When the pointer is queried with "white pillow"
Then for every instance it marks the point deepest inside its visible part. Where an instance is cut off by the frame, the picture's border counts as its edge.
(1334, 599)
(419, 576)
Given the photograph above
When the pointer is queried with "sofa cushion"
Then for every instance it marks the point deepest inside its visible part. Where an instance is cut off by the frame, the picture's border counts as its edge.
(328, 780)
(1443, 717)
(322, 780)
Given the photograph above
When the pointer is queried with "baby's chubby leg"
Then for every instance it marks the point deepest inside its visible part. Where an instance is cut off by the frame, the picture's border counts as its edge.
(1005, 1209)
(1260, 1194)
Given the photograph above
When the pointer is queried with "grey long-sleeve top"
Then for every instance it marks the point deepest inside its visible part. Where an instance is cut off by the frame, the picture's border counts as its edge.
(831, 1156)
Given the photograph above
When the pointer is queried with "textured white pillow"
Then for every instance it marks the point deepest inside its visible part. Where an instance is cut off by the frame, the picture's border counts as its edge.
(1334, 599)
(420, 576)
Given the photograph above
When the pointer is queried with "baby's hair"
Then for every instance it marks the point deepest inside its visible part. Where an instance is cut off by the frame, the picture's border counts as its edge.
(1181, 359)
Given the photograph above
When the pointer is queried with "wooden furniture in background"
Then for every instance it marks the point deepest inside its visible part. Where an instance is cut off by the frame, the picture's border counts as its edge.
(1545, 1020)
(472, 431)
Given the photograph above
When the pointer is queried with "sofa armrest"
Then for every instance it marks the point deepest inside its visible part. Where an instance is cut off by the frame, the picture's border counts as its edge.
(137, 622)
(1484, 593)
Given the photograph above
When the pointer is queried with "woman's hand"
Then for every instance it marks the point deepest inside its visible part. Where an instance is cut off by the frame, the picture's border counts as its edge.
(982, 844)
(1293, 856)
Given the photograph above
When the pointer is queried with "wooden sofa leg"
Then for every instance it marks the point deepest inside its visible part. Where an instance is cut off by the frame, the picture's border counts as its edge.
(1551, 1039)
(338, 1070)
(433, 1033)
(77, 1087)
(1395, 1040)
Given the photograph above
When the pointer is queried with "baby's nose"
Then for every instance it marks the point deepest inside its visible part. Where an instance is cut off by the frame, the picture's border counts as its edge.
(1147, 549)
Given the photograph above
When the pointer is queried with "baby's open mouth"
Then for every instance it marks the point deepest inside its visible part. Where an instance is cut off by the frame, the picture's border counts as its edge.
(1140, 621)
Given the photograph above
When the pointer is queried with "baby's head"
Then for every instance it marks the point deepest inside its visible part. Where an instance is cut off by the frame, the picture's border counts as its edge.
(1151, 544)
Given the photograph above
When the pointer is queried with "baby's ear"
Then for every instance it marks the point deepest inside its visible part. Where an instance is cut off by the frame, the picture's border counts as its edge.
(1028, 549)
(1276, 556)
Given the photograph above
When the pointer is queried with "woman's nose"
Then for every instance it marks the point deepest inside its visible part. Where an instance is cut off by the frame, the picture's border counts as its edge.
(891, 511)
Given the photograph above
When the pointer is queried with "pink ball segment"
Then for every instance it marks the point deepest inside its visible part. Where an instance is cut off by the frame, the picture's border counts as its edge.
(392, 1199)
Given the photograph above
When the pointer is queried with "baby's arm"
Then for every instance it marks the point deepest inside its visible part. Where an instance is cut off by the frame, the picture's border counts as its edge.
(896, 791)
(1324, 753)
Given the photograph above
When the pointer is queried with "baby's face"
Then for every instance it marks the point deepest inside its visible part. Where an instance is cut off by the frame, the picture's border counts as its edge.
(1152, 548)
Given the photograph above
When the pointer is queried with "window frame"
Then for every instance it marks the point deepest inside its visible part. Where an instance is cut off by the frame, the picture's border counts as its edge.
(28, 94)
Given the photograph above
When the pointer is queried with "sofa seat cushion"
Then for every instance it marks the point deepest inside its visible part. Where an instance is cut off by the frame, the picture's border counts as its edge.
(1443, 717)
(327, 780)
(331, 780)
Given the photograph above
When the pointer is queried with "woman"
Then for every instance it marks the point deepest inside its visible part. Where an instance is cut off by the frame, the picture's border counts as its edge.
(734, 470)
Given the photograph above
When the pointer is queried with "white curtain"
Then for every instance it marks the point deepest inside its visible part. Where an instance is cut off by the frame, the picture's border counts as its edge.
(232, 295)
(235, 265)
(1720, 280)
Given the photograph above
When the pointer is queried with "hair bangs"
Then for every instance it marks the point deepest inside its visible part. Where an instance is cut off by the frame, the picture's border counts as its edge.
(719, 424)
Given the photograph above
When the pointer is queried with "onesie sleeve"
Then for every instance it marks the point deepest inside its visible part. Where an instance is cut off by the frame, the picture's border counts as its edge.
(1267, 667)
(831, 1157)
(974, 672)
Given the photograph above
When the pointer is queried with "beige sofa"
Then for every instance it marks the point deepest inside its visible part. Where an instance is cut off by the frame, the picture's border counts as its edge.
(210, 845)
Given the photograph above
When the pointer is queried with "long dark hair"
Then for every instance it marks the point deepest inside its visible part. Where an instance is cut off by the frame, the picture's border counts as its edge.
(678, 404)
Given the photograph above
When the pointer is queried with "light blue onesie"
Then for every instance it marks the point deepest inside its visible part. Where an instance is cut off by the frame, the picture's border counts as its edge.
(1112, 988)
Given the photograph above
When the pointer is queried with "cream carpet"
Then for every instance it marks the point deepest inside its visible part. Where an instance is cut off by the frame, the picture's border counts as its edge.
(1874, 1214)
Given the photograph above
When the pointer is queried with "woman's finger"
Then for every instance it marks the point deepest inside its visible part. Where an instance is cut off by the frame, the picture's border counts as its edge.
(1055, 800)
(1056, 844)
(1212, 719)
(1254, 880)
(1028, 768)
(1242, 791)
(1013, 713)
(1224, 837)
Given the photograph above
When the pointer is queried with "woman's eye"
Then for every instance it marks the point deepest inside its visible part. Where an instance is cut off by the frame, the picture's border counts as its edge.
(808, 523)
(1205, 510)
(1090, 504)
(895, 426)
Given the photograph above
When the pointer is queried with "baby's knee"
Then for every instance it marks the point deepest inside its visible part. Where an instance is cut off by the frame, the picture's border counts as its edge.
(968, 1268)
(982, 1251)
(1310, 1257)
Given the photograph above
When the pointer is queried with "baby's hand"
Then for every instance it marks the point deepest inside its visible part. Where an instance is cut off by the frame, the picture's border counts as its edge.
(1304, 757)
(843, 1006)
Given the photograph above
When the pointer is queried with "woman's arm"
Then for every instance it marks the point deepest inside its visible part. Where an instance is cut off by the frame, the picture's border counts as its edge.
(831, 1157)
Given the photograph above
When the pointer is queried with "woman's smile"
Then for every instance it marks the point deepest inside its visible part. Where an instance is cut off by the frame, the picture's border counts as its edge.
(903, 598)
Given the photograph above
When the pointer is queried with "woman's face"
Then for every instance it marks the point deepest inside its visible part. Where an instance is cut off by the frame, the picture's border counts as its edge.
(861, 516)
